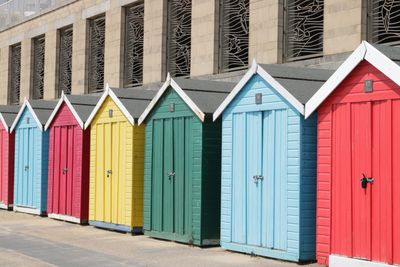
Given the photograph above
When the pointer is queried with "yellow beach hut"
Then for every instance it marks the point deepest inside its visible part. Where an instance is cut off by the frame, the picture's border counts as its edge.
(116, 159)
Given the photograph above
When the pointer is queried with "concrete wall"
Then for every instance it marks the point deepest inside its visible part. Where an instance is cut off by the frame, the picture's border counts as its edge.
(343, 30)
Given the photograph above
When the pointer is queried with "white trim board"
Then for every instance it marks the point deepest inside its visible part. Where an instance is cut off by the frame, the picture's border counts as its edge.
(64, 218)
(4, 206)
(109, 92)
(21, 110)
(257, 69)
(63, 98)
(365, 51)
(3, 121)
(27, 210)
(341, 261)
(170, 82)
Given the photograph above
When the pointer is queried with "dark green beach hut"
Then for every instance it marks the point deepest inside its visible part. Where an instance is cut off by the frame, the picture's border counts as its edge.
(183, 161)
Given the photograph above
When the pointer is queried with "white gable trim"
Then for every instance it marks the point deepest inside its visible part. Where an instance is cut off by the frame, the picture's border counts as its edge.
(365, 51)
(108, 92)
(21, 110)
(179, 91)
(257, 69)
(3, 121)
(64, 98)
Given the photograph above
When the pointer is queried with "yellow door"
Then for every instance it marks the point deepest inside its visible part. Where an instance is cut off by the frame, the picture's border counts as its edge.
(116, 168)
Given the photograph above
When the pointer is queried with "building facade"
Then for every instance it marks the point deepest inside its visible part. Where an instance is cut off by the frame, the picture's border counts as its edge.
(77, 46)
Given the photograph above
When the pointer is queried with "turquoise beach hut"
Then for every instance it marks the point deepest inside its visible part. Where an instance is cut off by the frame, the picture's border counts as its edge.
(268, 181)
(31, 156)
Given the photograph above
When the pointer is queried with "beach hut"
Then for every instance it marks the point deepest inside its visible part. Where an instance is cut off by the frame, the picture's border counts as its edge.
(31, 156)
(116, 159)
(182, 161)
(68, 169)
(358, 198)
(269, 163)
(7, 117)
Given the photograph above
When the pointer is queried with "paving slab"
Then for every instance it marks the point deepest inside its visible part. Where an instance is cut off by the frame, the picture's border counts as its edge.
(27, 240)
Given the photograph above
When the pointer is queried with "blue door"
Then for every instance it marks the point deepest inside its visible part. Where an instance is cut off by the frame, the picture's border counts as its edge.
(26, 195)
(259, 196)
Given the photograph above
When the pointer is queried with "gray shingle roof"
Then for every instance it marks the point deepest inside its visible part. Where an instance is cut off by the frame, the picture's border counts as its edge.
(301, 82)
(43, 109)
(207, 95)
(391, 52)
(83, 104)
(9, 113)
(135, 99)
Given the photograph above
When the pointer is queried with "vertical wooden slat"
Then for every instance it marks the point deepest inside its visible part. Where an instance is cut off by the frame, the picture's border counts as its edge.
(396, 181)
(238, 179)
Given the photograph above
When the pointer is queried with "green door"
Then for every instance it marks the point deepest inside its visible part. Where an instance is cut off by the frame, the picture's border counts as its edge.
(171, 186)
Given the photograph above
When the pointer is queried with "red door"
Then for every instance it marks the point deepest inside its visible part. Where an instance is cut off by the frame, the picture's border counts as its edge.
(363, 215)
(63, 184)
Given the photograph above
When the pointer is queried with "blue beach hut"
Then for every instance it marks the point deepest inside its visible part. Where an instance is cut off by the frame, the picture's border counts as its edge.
(268, 180)
(31, 156)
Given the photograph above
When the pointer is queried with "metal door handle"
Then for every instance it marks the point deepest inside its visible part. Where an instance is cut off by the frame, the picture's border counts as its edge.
(170, 175)
(65, 170)
(26, 167)
(109, 172)
(366, 180)
(257, 177)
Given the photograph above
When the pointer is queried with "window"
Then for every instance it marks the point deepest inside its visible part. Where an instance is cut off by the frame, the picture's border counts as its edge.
(179, 37)
(234, 34)
(383, 21)
(97, 34)
(38, 67)
(65, 61)
(134, 23)
(303, 29)
(15, 74)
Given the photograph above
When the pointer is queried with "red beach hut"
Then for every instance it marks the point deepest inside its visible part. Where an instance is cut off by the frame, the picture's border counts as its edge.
(68, 184)
(358, 166)
(7, 117)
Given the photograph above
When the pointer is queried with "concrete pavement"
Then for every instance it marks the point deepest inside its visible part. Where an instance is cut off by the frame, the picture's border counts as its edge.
(27, 240)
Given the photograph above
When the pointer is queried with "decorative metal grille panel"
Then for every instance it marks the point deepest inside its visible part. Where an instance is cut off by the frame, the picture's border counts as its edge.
(384, 21)
(234, 44)
(15, 75)
(96, 54)
(38, 67)
(65, 61)
(179, 37)
(134, 45)
(303, 29)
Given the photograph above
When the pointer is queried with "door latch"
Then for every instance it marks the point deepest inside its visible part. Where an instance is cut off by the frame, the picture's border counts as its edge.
(257, 177)
(26, 168)
(365, 181)
(64, 171)
(170, 175)
(109, 172)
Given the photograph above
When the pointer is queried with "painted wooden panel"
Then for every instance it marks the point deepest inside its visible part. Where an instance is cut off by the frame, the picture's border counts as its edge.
(116, 170)
(179, 207)
(6, 167)
(355, 138)
(273, 216)
(31, 157)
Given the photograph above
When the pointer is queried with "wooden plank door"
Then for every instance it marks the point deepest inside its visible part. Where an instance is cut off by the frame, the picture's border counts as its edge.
(158, 176)
(3, 174)
(274, 185)
(259, 202)
(107, 172)
(26, 187)
(363, 218)
(182, 161)
(168, 177)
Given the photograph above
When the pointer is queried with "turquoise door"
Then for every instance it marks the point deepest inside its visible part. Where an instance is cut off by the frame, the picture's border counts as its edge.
(259, 186)
(26, 189)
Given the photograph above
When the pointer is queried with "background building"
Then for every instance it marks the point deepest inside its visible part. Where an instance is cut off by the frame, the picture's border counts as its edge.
(77, 46)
